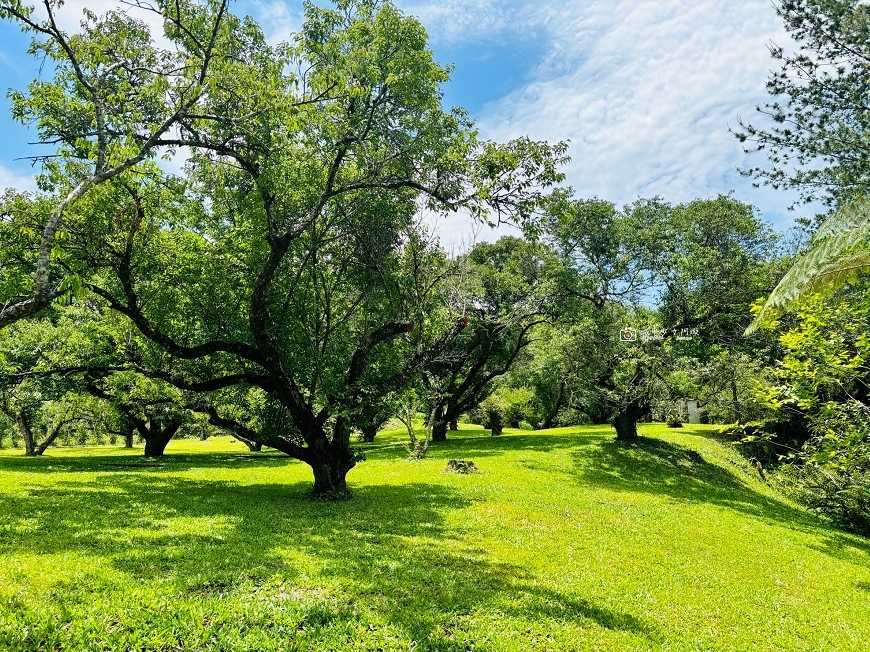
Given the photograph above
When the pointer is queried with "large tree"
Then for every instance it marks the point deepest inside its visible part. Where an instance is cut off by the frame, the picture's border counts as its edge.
(275, 266)
(723, 259)
(690, 270)
(609, 260)
(816, 130)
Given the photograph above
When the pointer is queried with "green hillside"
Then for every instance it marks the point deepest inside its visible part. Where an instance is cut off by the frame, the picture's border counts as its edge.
(564, 540)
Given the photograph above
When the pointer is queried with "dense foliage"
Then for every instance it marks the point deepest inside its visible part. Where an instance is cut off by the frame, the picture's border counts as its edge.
(285, 268)
(820, 389)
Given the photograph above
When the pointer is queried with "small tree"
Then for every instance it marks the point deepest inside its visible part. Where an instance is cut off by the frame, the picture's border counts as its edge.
(409, 404)
(41, 419)
(506, 406)
(508, 296)
(492, 410)
(154, 408)
(44, 405)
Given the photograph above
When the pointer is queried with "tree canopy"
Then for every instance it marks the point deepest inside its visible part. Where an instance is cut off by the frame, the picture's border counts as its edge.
(275, 263)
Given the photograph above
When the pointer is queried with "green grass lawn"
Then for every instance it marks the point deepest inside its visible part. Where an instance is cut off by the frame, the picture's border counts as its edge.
(565, 540)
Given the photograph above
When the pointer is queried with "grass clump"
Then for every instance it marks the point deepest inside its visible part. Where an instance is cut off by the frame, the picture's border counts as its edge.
(460, 466)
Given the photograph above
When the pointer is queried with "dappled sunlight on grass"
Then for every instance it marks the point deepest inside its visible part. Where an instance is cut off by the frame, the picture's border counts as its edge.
(563, 540)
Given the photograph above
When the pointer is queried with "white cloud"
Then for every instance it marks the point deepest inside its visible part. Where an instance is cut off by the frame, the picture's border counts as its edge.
(458, 231)
(278, 19)
(645, 90)
(13, 179)
(70, 15)
(463, 20)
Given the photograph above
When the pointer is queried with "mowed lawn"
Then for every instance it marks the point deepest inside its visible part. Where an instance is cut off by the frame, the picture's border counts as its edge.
(564, 540)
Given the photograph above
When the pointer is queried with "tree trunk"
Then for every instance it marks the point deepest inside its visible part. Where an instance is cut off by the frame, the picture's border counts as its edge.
(49, 439)
(127, 431)
(330, 473)
(444, 420)
(253, 446)
(735, 403)
(554, 411)
(27, 434)
(626, 426)
(330, 460)
(369, 431)
(626, 419)
(439, 430)
(330, 482)
(155, 446)
(156, 438)
(495, 423)
(439, 423)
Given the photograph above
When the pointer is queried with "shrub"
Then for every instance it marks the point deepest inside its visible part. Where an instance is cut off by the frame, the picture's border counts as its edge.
(843, 495)
(822, 461)
(506, 405)
(769, 442)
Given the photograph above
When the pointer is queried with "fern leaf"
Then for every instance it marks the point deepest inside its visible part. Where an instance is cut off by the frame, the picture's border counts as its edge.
(838, 254)
(851, 218)
(840, 272)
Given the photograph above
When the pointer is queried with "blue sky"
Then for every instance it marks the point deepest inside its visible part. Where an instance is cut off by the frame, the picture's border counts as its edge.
(645, 90)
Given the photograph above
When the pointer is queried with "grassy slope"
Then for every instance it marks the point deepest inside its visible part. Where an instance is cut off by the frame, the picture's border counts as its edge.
(564, 541)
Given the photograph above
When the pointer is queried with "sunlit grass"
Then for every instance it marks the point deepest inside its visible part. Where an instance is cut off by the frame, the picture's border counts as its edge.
(564, 540)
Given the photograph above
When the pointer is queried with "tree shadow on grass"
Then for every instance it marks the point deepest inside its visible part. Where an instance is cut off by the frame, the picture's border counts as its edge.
(543, 443)
(91, 462)
(850, 547)
(389, 550)
(662, 468)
